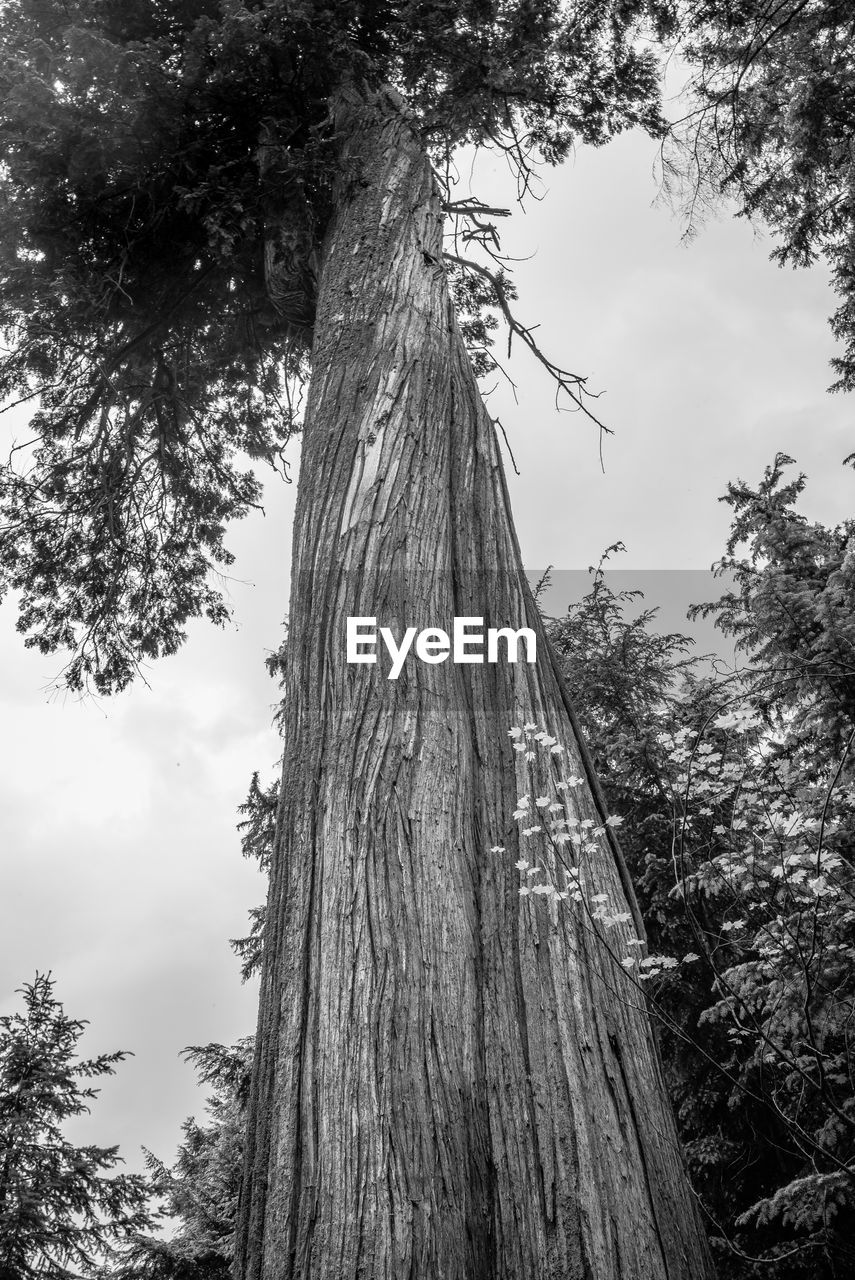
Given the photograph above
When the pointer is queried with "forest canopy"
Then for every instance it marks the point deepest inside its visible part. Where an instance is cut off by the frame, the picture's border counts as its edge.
(170, 176)
(166, 187)
(167, 180)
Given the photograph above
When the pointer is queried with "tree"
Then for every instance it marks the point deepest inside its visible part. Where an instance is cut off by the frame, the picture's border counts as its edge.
(200, 1190)
(770, 123)
(736, 790)
(778, 864)
(448, 1081)
(703, 791)
(59, 1213)
(790, 606)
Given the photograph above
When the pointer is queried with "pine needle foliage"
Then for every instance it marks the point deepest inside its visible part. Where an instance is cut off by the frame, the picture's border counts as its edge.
(737, 793)
(770, 123)
(62, 1210)
(199, 1192)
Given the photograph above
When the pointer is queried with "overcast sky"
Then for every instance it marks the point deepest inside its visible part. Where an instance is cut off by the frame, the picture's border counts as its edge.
(121, 865)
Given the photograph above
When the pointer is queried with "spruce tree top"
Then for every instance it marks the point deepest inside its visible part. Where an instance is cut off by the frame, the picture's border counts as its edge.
(60, 1213)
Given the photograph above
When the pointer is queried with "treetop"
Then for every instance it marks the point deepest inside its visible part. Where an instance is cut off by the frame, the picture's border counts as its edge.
(158, 158)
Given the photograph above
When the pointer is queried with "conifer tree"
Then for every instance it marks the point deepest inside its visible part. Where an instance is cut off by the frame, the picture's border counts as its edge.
(202, 202)
(199, 1192)
(737, 792)
(61, 1210)
(768, 121)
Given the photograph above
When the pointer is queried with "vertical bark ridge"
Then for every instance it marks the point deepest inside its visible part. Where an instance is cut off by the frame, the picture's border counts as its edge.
(452, 1082)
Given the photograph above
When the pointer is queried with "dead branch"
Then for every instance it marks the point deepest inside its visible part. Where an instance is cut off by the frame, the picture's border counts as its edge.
(572, 384)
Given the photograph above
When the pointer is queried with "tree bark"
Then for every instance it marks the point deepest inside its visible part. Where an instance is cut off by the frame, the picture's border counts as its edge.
(452, 1082)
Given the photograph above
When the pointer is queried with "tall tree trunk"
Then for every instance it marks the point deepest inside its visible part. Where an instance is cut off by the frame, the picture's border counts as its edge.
(452, 1082)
